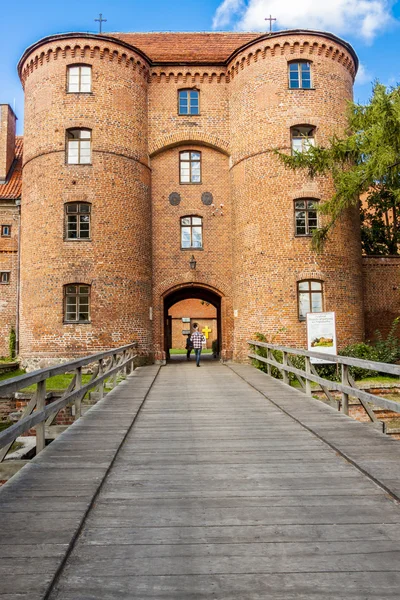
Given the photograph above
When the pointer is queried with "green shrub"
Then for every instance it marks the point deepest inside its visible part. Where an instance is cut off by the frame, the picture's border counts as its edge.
(388, 350)
(12, 343)
(363, 352)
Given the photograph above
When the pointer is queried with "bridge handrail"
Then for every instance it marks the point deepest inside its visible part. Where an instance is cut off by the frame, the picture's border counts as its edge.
(36, 414)
(346, 386)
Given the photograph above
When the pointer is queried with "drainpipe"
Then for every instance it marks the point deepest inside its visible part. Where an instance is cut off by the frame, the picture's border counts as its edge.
(18, 204)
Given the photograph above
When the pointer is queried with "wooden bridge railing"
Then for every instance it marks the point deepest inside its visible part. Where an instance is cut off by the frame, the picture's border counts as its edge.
(346, 386)
(36, 414)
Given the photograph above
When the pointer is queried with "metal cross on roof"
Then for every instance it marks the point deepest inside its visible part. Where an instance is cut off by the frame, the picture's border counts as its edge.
(100, 20)
(270, 19)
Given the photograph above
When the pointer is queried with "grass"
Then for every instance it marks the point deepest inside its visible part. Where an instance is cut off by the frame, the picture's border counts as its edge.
(58, 382)
(381, 379)
(11, 374)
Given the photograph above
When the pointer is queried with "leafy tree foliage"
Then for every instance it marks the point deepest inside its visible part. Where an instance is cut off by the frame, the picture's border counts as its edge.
(364, 161)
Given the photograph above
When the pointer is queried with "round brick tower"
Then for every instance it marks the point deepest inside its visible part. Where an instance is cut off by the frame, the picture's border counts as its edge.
(86, 227)
(269, 102)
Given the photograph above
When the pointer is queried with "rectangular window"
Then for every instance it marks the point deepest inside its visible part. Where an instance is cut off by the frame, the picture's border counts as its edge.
(300, 75)
(5, 230)
(306, 218)
(76, 309)
(4, 276)
(79, 143)
(191, 232)
(310, 297)
(190, 167)
(188, 102)
(77, 224)
(302, 137)
(79, 79)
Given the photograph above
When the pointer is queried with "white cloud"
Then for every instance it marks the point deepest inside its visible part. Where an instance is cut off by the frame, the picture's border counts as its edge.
(363, 75)
(365, 18)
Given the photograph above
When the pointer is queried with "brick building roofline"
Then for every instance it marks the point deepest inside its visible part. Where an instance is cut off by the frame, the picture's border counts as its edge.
(247, 44)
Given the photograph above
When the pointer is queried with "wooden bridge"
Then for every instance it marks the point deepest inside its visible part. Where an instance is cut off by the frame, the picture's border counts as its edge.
(215, 483)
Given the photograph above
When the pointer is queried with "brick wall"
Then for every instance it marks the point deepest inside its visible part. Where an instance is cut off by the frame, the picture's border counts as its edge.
(9, 215)
(198, 312)
(7, 139)
(381, 279)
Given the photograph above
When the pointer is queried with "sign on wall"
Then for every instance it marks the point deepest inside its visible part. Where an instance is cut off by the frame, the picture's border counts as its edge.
(321, 335)
(185, 331)
(185, 319)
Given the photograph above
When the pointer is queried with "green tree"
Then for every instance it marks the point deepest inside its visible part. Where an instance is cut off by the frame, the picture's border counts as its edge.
(366, 160)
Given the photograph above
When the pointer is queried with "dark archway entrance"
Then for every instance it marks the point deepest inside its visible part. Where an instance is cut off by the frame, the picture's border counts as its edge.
(190, 292)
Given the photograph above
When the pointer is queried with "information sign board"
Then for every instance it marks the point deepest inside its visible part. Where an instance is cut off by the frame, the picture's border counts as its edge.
(321, 335)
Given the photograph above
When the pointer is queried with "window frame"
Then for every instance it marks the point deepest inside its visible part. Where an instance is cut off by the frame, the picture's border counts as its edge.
(77, 295)
(190, 161)
(304, 150)
(306, 210)
(310, 291)
(68, 140)
(78, 213)
(299, 62)
(79, 65)
(5, 277)
(6, 235)
(189, 114)
(191, 247)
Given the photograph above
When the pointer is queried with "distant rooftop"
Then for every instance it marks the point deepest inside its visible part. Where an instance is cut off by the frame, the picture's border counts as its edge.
(11, 190)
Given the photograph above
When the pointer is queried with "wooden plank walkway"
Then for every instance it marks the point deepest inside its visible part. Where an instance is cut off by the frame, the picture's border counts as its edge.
(211, 491)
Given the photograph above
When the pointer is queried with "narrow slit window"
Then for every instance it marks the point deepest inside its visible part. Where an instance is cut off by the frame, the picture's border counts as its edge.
(4, 277)
(5, 230)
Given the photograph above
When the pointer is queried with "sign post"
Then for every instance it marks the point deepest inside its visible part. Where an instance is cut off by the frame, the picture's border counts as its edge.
(321, 335)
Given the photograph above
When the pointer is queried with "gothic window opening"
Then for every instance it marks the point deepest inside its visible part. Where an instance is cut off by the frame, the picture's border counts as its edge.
(302, 138)
(300, 75)
(190, 167)
(77, 221)
(76, 303)
(188, 102)
(79, 78)
(79, 146)
(309, 297)
(306, 216)
(191, 232)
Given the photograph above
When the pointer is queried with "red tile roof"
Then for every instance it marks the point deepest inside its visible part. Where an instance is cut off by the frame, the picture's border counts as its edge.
(11, 190)
(187, 48)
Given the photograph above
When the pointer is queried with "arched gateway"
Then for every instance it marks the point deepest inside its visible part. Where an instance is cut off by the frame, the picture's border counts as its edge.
(193, 292)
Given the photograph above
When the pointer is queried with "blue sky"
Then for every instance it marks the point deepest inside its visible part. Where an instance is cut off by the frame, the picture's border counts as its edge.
(371, 26)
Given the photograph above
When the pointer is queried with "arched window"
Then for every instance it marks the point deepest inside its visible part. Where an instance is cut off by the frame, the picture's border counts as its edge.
(191, 232)
(76, 303)
(188, 102)
(79, 146)
(79, 78)
(305, 216)
(300, 75)
(302, 137)
(77, 220)
(310, 297)
(190, 166)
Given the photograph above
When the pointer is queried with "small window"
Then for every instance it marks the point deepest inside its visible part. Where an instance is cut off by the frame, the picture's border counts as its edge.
(190, 167)
(79, 78)
(191, 232)
(5, 230)
(4, 276)
(77, 221)
(306, 217)
(77, 300)
(300, 75)
(188, 102)
(79, 142)
(310, 297)
(302, 138)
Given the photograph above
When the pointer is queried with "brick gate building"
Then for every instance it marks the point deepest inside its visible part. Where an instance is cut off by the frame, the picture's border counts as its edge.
(149, 177)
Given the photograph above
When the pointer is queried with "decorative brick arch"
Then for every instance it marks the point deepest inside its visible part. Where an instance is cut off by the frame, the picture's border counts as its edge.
(186, 136)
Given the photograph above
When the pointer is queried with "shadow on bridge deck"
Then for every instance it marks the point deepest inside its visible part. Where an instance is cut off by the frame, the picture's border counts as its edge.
(192, 484)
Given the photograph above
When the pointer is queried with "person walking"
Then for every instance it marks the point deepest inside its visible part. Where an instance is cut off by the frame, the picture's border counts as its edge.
(198, 340)
(189, 346)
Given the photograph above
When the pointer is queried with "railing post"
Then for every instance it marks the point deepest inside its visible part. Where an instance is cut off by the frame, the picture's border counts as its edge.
(308, 372)
(269, 368)
(345, 397)
(78, 401)
(285, 373)
(40, 427)
(114, 376)
(101, 385)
